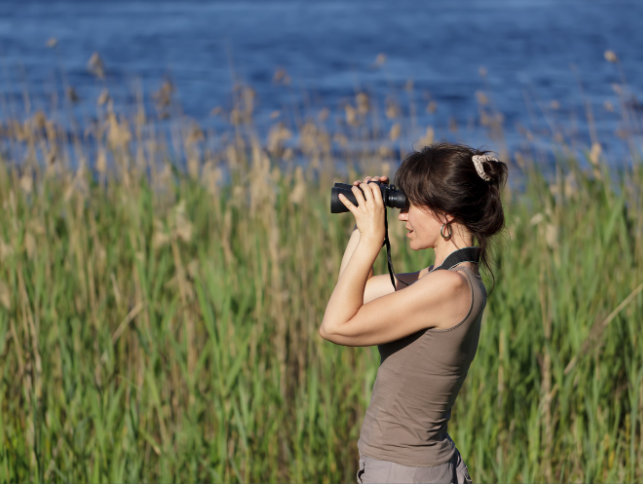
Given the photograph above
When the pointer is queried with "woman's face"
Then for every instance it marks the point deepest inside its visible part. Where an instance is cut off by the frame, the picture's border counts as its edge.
(423, 226)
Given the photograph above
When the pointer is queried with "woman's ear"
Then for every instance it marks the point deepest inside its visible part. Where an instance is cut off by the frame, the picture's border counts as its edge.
(443, 218)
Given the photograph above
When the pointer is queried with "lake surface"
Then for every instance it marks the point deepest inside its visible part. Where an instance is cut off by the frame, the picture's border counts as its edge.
(544, 60)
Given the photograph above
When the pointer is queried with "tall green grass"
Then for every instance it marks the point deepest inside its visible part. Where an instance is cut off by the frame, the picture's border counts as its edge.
(162, 326)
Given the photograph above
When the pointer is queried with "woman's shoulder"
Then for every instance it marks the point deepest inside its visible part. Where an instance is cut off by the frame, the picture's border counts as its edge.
(473, 275)
(454, 291)
(449, 282)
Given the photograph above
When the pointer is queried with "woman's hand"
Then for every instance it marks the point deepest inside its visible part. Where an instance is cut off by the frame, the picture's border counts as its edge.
(369, 213)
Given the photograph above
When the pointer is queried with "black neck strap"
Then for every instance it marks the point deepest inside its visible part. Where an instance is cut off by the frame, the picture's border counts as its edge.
(387, 243)
(457, 257)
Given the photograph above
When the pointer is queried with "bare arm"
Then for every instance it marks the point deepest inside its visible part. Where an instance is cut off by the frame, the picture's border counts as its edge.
(355, 236)
(440, 300)
(377, 286)
(371, 291)
(350, 250)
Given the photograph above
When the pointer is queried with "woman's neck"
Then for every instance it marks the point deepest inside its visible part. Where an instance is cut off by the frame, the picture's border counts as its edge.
(446, 247)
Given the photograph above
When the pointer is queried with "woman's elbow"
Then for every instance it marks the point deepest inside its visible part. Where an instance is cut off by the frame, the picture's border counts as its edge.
(323, 332)
(326, 332)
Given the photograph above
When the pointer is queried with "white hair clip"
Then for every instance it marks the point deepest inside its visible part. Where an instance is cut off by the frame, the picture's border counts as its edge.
(478, 160)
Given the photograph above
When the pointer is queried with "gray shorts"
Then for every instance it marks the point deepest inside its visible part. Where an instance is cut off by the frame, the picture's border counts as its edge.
(380, 471)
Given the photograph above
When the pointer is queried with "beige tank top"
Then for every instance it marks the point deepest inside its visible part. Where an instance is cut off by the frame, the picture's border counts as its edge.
(417, 383)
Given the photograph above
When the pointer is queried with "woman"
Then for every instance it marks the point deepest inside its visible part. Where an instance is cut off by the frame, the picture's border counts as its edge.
(427, 329)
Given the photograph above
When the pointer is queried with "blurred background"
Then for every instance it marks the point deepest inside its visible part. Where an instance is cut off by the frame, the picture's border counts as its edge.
(538, 66)
(167, 251)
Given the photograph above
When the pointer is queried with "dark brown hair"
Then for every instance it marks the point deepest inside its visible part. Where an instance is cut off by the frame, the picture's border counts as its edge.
(443, 177)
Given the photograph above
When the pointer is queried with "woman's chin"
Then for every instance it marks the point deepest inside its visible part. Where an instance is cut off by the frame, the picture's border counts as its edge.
(417, 245)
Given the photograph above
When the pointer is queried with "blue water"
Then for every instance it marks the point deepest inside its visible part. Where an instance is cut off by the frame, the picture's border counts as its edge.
(534, 52)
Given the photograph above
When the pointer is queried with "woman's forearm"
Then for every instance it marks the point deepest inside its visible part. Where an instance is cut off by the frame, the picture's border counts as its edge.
(348, 294)
(350, 250)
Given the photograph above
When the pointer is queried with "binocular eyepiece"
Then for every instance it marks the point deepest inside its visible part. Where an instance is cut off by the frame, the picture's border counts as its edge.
(392, 198)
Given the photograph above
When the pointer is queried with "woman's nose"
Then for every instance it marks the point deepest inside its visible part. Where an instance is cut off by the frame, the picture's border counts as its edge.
(403, 216)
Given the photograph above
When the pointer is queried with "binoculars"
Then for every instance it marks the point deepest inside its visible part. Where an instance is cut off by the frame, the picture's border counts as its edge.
(392, 198)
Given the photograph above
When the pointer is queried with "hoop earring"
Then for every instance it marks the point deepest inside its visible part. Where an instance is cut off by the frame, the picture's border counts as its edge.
(445, 237)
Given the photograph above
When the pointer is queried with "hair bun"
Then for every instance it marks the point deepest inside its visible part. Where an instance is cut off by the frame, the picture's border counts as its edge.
(490, 169)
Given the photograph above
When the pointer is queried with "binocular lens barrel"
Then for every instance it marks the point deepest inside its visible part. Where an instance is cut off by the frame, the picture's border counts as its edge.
(392, 198)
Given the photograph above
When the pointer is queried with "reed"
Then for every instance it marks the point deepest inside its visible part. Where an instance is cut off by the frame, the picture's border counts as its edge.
(160, 324)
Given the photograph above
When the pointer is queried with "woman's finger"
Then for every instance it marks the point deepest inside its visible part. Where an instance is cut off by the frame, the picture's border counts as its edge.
(359, 195)
(377, 194)
(382, 178)
(347, 203)
(368, 194)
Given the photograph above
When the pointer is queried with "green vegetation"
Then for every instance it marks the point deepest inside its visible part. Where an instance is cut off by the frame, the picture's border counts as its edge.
(164, 327)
